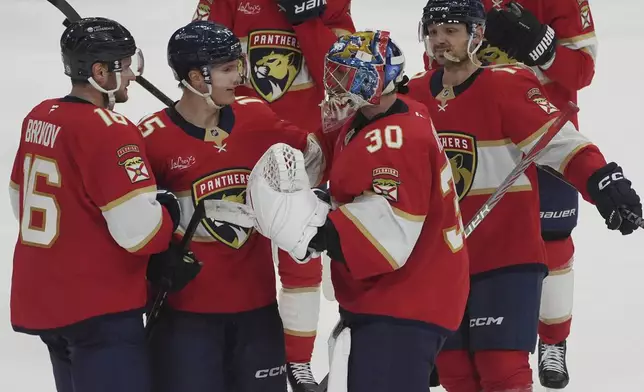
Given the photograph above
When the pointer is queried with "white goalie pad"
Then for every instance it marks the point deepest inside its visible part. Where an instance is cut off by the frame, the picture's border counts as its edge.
(339, 352)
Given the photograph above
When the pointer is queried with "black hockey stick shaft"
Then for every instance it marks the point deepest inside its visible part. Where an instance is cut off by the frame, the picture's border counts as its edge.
(71, 15)
(528, 159)
(159, 301)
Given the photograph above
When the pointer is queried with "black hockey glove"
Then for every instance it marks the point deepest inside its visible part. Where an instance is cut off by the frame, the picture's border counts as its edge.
(610, 191)
(518, 32)
(172, 269)
(299, 11)
(171, 204)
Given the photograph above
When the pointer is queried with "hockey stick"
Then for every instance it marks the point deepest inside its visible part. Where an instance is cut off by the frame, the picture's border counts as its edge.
(159, 301)
(71, 15)
(528, 159)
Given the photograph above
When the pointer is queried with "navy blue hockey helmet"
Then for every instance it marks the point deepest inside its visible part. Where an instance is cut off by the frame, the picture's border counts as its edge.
(469, 12)
(200, 45)
(95, 40)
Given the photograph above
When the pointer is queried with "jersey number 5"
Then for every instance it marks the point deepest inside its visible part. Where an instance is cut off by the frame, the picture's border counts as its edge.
(42, 232)
(454, 236)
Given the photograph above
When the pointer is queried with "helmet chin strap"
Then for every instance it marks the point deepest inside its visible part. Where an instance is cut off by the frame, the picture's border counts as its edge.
(111, 99)
(206, 96)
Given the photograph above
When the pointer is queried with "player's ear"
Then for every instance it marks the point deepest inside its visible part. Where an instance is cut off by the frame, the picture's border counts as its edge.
(478, 34)
(195, 78)
(100, 73)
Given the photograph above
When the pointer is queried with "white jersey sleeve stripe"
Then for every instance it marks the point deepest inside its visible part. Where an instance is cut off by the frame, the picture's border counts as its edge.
(135, 221)
(393, 235)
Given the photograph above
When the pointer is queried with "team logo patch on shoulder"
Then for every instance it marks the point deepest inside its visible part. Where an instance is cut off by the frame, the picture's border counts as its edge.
(385, 182)
(584, 13)
(135, 169)
(127, 149)
(460, 149)
(202, 12)
(276, 60)
(535, 96)
(224, 185)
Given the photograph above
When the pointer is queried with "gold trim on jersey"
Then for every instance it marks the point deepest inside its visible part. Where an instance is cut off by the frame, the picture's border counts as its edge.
(147, 239)
(566, 160)
(128, 196)
(300, 334)
(363, 230)
(300, 290)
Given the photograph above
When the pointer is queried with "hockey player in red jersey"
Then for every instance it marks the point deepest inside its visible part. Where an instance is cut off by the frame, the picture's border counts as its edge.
(399, 262)
(223, 331)
(90, 217)
(557, 40)
(486, 119)
(285, 42)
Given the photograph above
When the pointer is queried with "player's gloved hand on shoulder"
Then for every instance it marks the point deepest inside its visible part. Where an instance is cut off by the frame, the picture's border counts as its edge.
(299, 11)
(168, 200)
(517, 31)
(172, 269)
(610, 191)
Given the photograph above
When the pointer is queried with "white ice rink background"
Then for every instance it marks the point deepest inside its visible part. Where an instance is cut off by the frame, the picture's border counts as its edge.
(606, 346)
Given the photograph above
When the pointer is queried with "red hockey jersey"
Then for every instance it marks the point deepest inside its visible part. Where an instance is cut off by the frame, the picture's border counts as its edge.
(399, 223)
(574, 64)
(485, 125)
(286, 62)
(85, 199)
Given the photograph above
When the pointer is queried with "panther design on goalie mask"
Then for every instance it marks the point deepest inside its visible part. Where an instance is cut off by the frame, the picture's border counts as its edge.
(229, 185)
(276, 61)
(460, 149)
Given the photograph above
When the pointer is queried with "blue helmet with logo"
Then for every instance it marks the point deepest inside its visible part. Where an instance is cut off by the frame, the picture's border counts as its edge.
(200, 45)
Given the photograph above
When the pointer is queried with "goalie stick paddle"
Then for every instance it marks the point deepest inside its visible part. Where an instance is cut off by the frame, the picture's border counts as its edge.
(159, 301)
(529, 158)
(71, 15)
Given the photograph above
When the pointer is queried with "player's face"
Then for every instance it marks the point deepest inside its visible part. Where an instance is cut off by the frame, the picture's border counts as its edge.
(127, 76)
(225, 77)
(449, 39)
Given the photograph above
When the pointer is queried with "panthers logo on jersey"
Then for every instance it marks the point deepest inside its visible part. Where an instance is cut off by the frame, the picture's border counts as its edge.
(460, 149)
(276, 60)
(228, 185)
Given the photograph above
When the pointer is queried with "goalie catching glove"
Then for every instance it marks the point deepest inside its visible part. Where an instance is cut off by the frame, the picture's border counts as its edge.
(280, 203)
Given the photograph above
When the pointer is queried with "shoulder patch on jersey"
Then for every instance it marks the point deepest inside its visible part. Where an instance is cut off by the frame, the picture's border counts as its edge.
(460, 149)
(127, 149)
(135, 169)
(276, 60)
(385, 182)
(535, 95)
(228, 184)
(202, 12)
(584, 13)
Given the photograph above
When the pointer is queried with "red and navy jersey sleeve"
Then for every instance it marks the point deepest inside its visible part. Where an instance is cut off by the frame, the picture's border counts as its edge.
(379, 227)
(527, 114)
(574, 63)
(118, 179)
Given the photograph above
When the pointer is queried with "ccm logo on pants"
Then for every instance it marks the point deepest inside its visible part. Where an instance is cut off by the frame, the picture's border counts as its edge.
(276, 371)
(484, 321)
